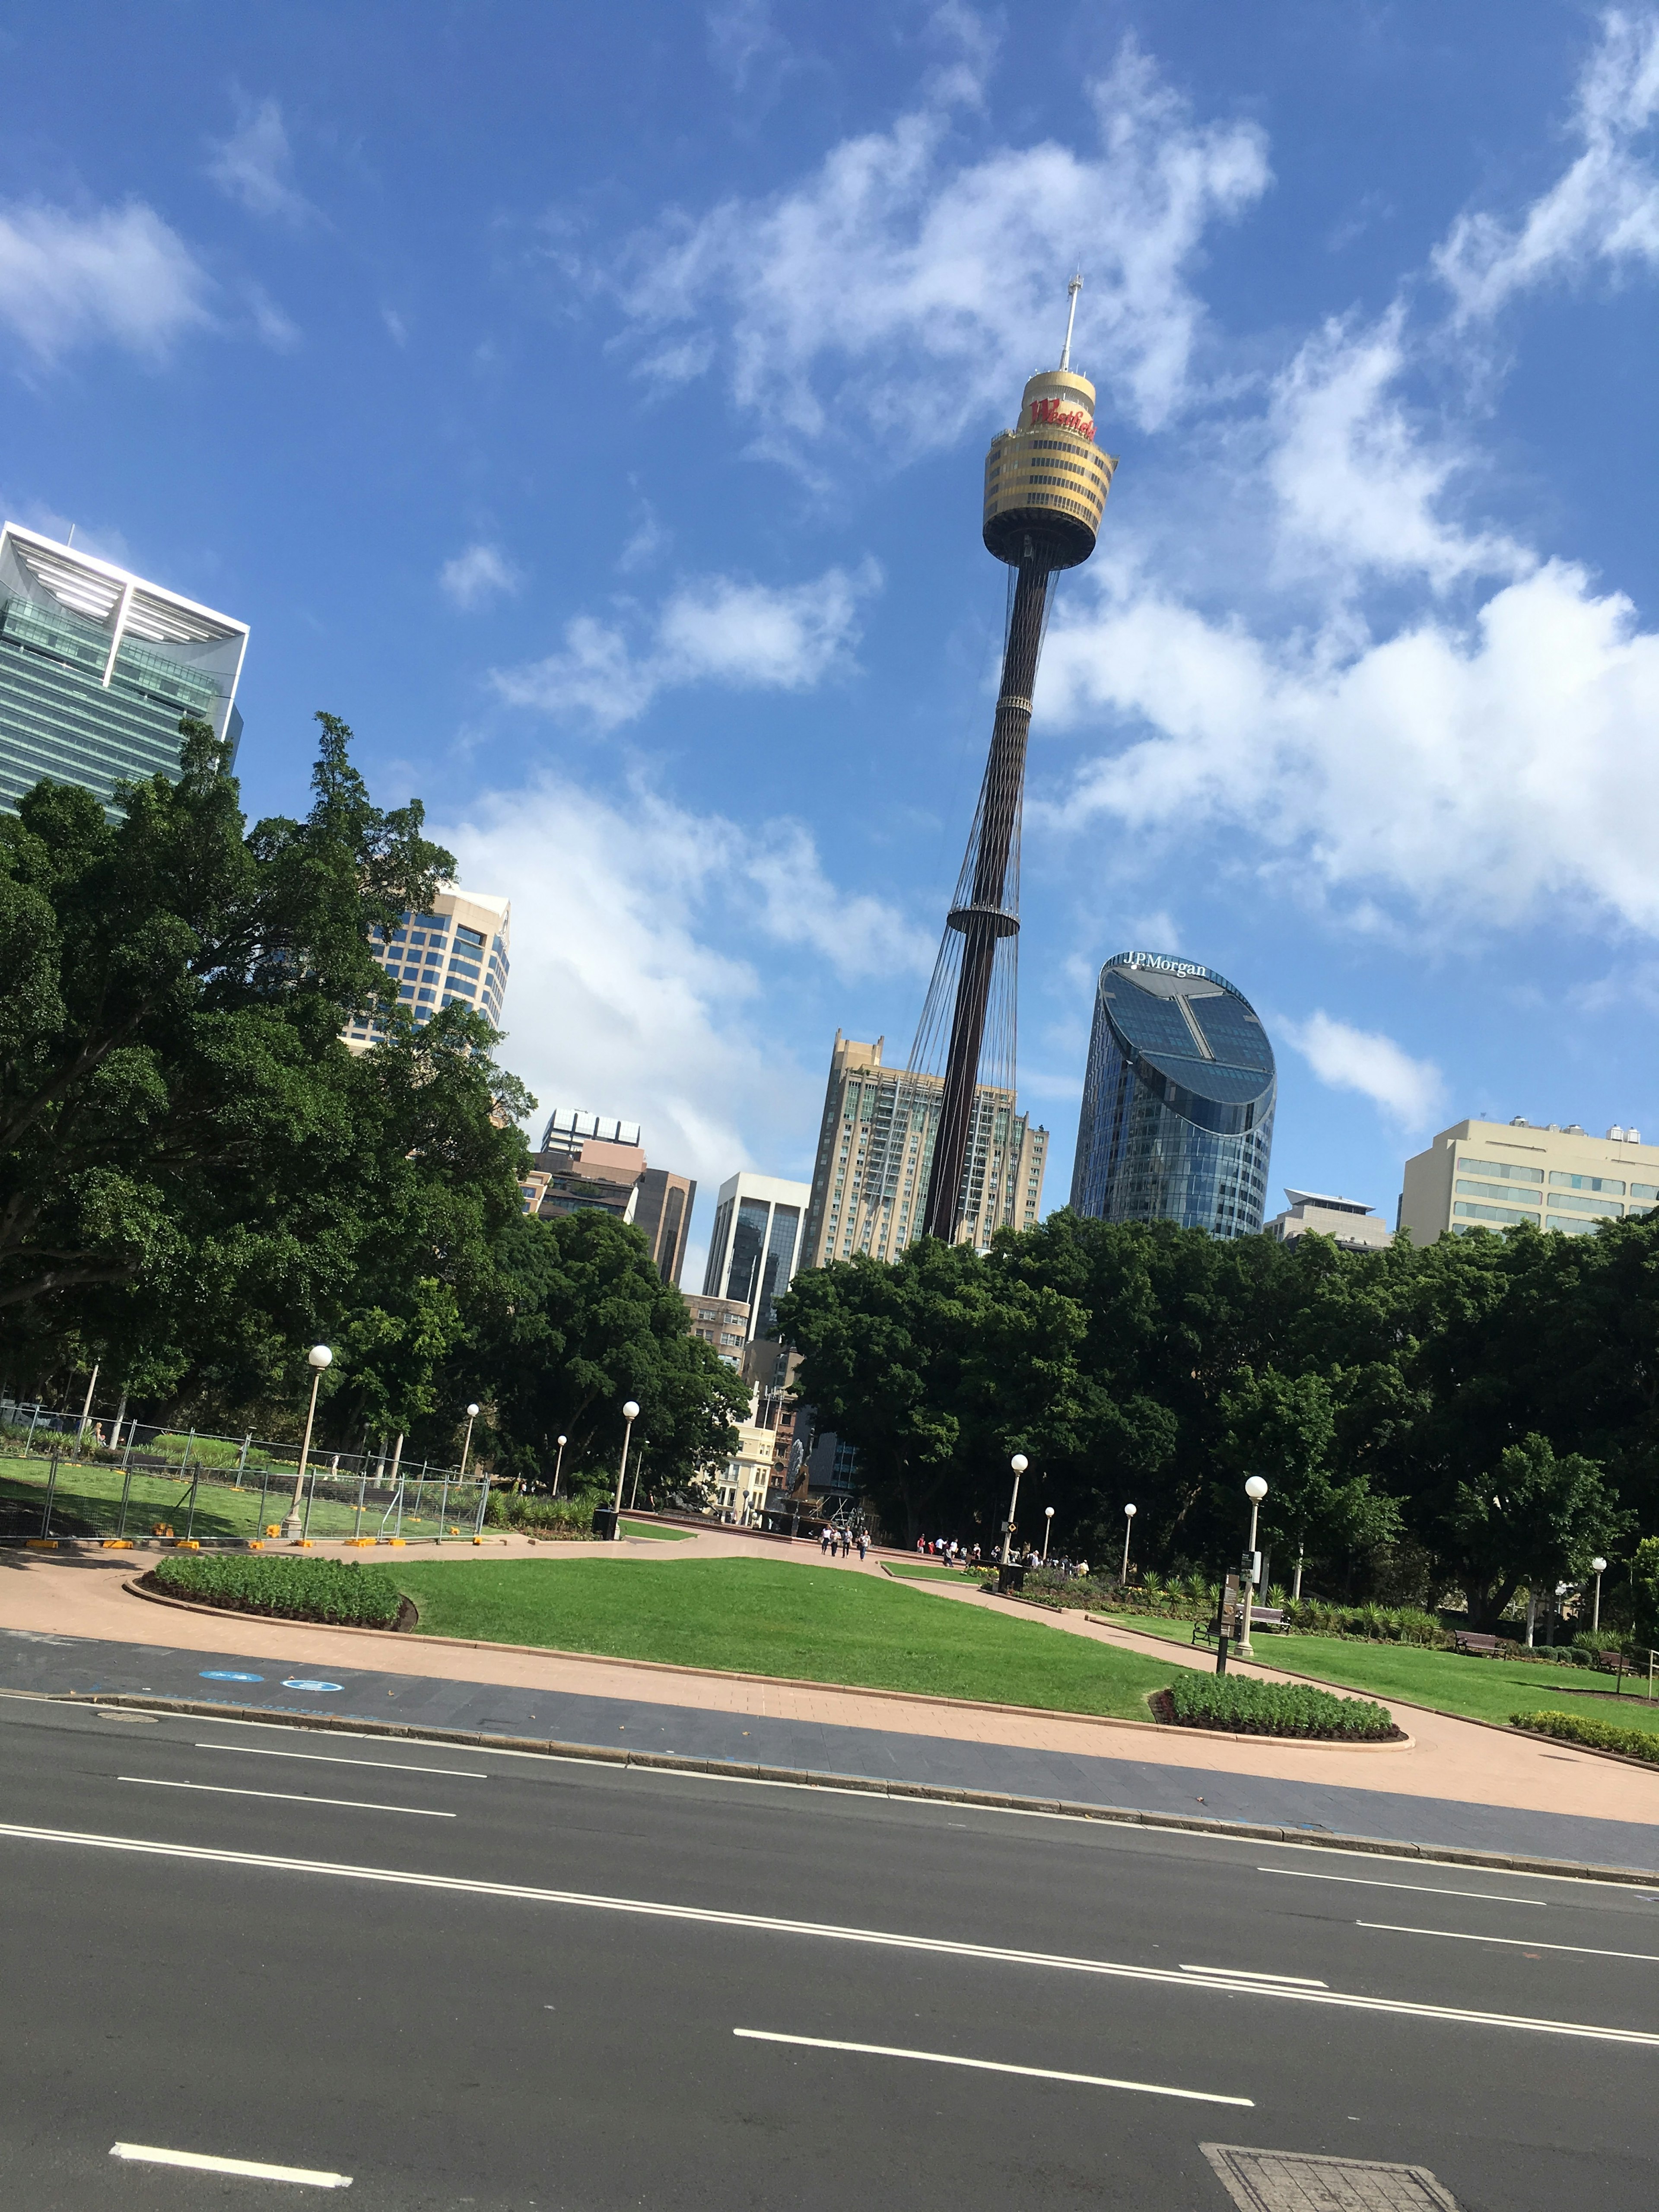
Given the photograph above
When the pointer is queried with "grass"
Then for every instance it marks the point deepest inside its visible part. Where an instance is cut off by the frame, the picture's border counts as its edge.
(87, 1501)
(1447, 1682)
(906, 1572)
(756, 1617)
(658, 1535)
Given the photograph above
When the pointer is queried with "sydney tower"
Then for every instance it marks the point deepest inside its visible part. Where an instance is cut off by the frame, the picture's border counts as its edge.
(1045, 492)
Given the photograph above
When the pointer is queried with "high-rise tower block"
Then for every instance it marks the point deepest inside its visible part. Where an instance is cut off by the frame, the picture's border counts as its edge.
(1045, 491)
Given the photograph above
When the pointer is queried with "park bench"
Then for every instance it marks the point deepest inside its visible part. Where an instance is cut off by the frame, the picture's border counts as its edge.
(1267, 1618)
(1479, 1646)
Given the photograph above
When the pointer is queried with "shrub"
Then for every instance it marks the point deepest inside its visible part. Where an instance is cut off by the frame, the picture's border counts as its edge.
(555, 1516)
(1250, 1708)
(289, 1589)
(1595, 1735)
(1369, 1624)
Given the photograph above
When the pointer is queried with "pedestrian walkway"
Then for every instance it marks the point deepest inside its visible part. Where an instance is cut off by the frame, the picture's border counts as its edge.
(69, 1624)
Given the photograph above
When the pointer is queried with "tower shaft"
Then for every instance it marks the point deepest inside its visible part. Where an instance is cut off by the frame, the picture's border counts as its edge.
(990, 915)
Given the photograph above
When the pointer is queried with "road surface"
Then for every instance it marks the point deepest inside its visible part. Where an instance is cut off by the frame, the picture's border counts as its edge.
(472, 1977)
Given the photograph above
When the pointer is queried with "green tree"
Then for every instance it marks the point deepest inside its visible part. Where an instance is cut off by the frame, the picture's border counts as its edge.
(1533, 1520)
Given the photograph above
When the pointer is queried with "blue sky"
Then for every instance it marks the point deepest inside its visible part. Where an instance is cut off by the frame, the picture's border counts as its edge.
(589, 406)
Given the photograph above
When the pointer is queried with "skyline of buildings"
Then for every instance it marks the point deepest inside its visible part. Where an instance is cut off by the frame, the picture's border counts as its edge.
(1178, 1100)
(98, 667)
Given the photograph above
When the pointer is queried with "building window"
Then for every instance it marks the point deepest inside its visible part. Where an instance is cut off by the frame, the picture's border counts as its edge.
(1605, 1184)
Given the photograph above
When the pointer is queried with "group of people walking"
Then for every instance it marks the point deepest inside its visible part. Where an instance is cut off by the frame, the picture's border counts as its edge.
(838, 1543)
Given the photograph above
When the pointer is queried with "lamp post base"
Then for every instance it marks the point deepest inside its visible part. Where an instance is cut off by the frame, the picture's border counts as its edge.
(292, 1525)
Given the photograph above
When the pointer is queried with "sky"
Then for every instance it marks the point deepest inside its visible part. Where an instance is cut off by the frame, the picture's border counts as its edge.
(589, 406)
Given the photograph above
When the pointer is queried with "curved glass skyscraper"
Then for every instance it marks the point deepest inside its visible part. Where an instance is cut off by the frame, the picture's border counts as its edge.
(1177, 1115)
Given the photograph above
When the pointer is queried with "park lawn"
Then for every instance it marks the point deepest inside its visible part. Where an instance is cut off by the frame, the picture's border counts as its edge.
(1446, 1681)
(756, 1617)
(658, 1535)
(87, 1500)
(917, 1570)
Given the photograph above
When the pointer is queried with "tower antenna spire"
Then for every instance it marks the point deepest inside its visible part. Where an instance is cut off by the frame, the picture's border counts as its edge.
(1073, 289)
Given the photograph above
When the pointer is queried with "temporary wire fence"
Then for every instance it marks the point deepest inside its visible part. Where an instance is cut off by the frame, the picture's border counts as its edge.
(64, 1474)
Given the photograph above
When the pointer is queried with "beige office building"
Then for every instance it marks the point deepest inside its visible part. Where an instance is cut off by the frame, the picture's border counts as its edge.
(454, 955)
(1355, 1226)
(876, 1148)
(1491, 1175)
(723, 1322)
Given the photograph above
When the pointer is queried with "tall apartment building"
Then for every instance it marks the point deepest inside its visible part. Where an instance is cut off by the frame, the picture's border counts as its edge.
(98, 668)
(595, 1161)
(876, 1149)
(1492, 1175)
(456, 955)
(756, 1246)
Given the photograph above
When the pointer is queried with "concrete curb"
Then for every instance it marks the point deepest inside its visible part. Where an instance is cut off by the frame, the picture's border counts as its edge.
(1405, 1742)
(810, 1778)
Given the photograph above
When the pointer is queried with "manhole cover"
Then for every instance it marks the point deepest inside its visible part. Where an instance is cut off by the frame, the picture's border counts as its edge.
(1304, 2181)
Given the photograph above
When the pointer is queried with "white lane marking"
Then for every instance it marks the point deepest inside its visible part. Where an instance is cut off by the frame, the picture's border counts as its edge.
(992, 2066)
(1243, 1974)
(1427, 1889)
(251, 2169)
(330, 1759)
(285, 1797)
(1513, 1942)
(826, 1931)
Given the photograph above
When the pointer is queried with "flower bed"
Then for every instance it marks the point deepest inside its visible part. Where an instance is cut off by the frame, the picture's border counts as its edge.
(1595, 1735)
(286, 1589)
(559, 1520)
(1244, 1707)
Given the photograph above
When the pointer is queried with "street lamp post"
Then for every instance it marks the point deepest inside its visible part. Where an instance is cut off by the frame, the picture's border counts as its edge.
(558, 1464)
(467, 1445)
(1048, 1530)
(1129, 1527)
(319, 1358)
(1255, 1490)
(1598, 1568)
(631, 1414)
(1019, 1463)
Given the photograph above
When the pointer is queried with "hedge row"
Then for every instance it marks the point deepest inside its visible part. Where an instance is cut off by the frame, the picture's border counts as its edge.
(291, 1590)
(1251, 1708)
(1595, 1735)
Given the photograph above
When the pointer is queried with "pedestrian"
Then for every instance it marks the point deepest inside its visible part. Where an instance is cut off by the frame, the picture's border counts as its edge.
(846, 1543)
(864, 1547)
(921, 1543)
(824, 1539)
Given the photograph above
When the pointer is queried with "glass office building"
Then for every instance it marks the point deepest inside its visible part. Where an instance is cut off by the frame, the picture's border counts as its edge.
(98, 669)
(756, 1246)
(1177, 1114)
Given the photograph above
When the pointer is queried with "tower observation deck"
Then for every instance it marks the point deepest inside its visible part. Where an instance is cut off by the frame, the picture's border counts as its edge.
(1046, 483)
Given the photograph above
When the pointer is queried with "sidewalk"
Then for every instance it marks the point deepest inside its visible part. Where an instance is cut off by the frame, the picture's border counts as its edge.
(70, 1625)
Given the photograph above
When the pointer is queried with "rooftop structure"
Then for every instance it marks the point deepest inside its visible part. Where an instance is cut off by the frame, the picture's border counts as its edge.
(568, 1131)
(1495, 1175)
(98, 668)
(1177, 1100)
(1355, 1226)
(1045, 492)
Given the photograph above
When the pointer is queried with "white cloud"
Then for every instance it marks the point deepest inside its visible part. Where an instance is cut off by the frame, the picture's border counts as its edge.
(253, 165)
(1408, 1091)
(713, 629)
(478, 575)
(397, 328)
(116, 275)
(625, 997)
(1603, 208)
(1354, 476)
(1483, 773)
(904, 289)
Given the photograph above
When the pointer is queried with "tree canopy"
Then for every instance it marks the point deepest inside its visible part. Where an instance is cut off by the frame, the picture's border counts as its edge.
(198, 1180)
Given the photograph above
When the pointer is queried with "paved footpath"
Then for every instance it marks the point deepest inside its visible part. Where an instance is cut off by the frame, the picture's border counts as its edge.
(67, 1623)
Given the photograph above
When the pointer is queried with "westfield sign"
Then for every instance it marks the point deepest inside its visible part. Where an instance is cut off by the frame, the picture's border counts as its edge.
(1055, 415)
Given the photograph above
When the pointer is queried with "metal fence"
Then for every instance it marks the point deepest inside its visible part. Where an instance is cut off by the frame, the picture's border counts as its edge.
(65, 1476)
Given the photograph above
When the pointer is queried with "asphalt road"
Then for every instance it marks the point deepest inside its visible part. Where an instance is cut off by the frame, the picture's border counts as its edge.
(466, 1978)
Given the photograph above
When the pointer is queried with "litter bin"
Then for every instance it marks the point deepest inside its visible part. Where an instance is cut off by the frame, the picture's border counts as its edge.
(604, 1522)
(1011, 1576)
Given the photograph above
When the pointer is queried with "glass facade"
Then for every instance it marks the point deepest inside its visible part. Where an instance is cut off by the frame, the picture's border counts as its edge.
(1178, 1100)
(97, 671)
